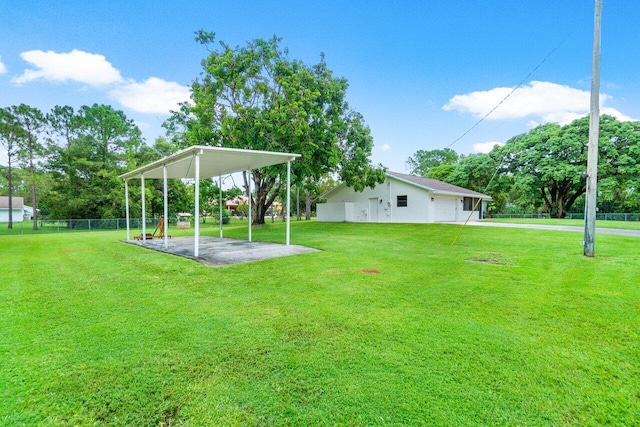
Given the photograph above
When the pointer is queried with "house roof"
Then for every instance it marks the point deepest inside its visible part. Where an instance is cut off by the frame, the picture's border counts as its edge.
(214, 161)
(432, 185)
(436, 186)
(16, 202)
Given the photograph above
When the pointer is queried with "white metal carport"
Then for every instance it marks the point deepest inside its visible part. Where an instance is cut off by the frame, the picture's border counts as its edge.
(201, 162)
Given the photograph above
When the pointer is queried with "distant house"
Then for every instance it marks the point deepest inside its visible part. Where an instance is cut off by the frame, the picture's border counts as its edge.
(232, 205)
(403, 198)
(27, 212)
(17, 208)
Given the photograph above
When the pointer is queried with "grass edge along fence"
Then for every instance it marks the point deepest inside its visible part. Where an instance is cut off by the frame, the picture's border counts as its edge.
(69, 225)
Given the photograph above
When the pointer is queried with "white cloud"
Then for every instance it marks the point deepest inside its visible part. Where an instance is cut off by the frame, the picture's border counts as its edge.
(154, 95)
(83, 67)
(544, 102)
(485, 147)
(3, 68)
(617, 114)
(385, 147)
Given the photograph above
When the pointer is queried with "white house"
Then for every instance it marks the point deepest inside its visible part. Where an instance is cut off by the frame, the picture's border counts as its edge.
(27, 212)
(17, 206)
(403, 198)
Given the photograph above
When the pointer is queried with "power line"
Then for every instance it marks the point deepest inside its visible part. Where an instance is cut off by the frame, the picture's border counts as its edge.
(510, 93)
(487, 115)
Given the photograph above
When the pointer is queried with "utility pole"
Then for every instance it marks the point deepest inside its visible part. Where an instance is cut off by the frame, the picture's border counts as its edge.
(594, 135)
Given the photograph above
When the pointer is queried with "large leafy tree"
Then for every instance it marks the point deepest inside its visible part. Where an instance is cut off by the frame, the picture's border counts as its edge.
(422, 162)
(256, 97)
(619, 173)
(548, 163)
(88, 150)
(481, 173)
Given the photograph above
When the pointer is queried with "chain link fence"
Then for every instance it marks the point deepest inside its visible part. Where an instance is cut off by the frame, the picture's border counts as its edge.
(609, 216)
(535, 216)
(69, 225)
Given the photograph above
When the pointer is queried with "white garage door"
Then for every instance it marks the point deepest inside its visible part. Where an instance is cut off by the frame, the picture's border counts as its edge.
(445, 209)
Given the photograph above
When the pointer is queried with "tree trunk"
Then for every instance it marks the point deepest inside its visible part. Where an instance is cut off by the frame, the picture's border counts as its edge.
(307, 207)
(34, 201)
(573, 198)
(264, 195)
(10, 192)
(298, 213)
(559, 210)
(547, 202)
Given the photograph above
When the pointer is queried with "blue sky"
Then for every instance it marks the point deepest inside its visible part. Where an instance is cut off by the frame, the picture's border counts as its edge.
(421, 72)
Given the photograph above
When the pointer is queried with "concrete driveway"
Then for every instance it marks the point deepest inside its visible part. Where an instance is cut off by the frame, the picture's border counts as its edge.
(620, 232)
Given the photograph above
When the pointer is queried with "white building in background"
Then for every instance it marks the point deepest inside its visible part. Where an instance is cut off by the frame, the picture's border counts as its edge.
(17, 206)
(27, 212)
(403, 198)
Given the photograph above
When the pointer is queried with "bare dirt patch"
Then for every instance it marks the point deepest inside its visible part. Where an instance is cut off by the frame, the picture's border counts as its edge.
(488, 260)
(369, 271)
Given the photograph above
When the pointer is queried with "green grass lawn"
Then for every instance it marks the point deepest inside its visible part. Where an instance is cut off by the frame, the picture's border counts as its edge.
(387, 325)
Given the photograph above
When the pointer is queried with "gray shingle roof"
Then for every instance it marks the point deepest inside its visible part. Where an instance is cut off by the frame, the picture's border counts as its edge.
(17, 202)
(435, 185)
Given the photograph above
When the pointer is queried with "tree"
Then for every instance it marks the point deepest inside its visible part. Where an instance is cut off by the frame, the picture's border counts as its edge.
(313, 193)
(548, 163)
(88, 150)
(209, 195)
(61, 161)
(619, 173)
(33, 123)
(441, 172)
(255, 97)
(422, 162)
(481, 172)
(11, 135)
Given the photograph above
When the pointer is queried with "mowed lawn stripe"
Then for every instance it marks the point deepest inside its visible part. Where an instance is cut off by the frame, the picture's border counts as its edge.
(388, 324)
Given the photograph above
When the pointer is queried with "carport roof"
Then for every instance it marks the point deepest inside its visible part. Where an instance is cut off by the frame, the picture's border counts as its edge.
(214, 161)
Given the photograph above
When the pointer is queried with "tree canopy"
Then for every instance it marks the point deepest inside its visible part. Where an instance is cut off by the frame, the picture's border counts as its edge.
(423, 161)
(88, 149)
(548, 164)
(544, 169)
(256, 97)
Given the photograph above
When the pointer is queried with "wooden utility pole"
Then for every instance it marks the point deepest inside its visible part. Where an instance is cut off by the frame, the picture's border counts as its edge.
(594, 135)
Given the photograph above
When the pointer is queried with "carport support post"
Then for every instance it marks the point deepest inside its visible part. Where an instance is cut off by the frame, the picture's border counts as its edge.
(288, 231)
(144, 215)
(220, 203)
(166, 208)
(249, 200)
(126, 207)
(197, 206)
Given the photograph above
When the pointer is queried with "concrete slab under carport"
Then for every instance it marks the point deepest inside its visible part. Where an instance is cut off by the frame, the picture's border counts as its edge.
(215, 251)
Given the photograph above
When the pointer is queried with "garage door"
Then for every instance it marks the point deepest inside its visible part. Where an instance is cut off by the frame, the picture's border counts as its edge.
(445, 209)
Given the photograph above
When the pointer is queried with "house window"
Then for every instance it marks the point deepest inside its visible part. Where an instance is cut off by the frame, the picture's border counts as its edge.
(469, 203)
(402, 201)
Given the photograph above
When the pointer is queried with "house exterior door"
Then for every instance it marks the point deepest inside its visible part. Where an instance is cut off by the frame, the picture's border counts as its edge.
(373, 210)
